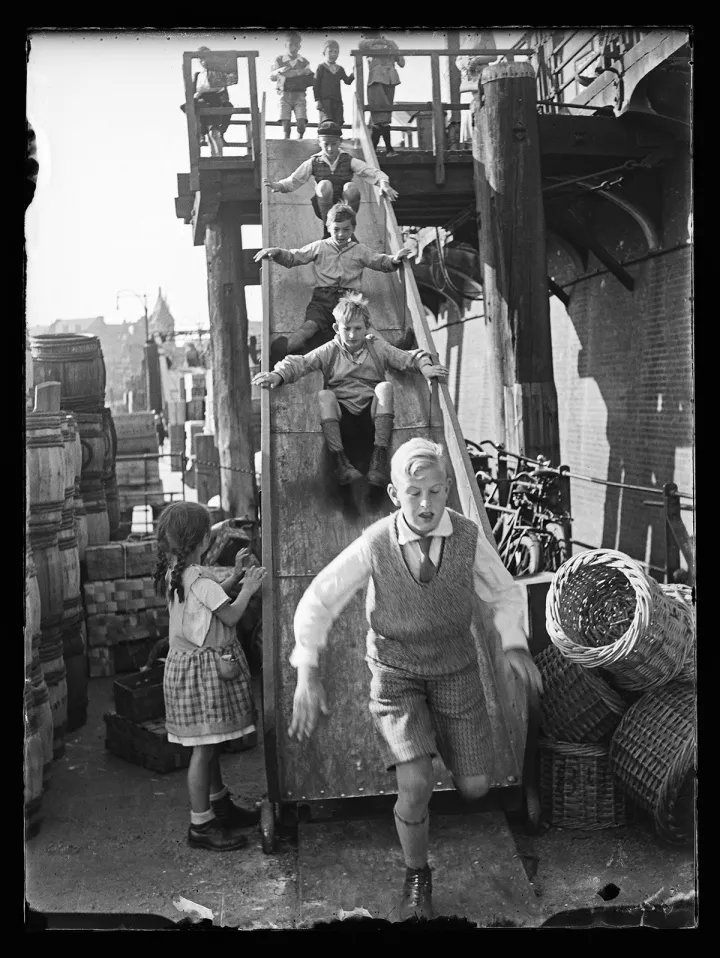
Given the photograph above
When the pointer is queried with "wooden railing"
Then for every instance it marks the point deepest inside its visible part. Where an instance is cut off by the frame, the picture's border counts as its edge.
(567, 61)
(436, 106)
(251, 144)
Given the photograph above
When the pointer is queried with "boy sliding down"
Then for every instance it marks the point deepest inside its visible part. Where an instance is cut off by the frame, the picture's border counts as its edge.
(424, 565)
(356, 400)
(333, 169)
(338, 263)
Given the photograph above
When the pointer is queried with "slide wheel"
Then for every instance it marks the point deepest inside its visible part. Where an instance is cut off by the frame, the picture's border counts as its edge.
(267, 827)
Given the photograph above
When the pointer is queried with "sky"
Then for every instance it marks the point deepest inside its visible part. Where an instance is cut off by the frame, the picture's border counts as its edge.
(111, 139)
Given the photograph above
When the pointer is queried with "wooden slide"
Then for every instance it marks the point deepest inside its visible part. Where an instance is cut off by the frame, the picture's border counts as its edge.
(307, 520)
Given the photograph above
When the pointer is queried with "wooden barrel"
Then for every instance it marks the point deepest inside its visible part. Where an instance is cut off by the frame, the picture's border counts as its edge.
(80, 521)
(110, 444)
(34, 764)
(76, 362)
(113, 506)
(46, 554)
(74, 638)
(98, 523)
(45, 449)
(43, 715)
(53, 667)
(69, 562)
(32, 606)
(69, 433)
(94, 442)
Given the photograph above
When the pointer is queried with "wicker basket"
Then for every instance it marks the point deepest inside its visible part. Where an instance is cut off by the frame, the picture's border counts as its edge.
(577, 705)
(683, 594)
(652, 756)
(602, 611)
(577, 789)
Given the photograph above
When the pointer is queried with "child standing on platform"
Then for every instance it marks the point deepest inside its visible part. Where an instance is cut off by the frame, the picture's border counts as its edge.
(423, 566)
(328, 96)
(293, 76)
(208, 697)
(356, 400)
(338, 263)
(333, 170)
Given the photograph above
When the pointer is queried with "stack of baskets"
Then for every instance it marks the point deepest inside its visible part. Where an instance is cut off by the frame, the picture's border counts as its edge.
(618, 713)
(137, 466)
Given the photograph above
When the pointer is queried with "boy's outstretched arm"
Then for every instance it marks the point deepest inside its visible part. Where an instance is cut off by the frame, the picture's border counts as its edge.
(293, 182)
(288, 257)
(383, 262)
(413, 359)
(326, 597)
(292, 368)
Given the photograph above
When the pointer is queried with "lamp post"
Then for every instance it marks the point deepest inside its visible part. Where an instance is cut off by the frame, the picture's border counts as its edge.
(143, 300)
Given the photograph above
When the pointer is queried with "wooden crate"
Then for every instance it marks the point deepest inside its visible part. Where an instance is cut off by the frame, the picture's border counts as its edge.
(121, 595)
(121, 560)
(135, 433)
(139, 696)
(144, 743)
(114, 628)
(137, 472)
(104, 661)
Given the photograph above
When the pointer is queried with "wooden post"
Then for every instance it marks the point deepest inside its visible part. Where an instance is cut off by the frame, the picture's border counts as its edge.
(453, 42)
(512, 248)
(438, 121)
(192, 123)
(254, 120)
(231, 373)
(360, 83)
(207, 482)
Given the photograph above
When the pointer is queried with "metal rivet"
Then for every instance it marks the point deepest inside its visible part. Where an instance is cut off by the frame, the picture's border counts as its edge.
(322, 792)
(439, 783)
(512, 778)
(359, 789)
(382, 792)
(303, 798)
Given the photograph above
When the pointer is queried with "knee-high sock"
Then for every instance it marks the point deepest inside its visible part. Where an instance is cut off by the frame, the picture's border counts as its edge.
(386, 135)
(375, 135)
(287, 126)
(414, 838)
(383, 429)
(325, 205)
(331, 432)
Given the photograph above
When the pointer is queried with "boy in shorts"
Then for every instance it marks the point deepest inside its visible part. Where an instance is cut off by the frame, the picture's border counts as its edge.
(333, 170)
(356, 400)
(338, 263)
(292, 75)
(422, 565)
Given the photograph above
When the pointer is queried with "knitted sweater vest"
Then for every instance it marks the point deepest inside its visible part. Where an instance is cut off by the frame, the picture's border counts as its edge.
(421, 628)
(341, 175)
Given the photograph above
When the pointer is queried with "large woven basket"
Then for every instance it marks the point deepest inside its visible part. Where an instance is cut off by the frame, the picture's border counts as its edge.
(652, 757)
(684, 596)
(602, 611)
(577, 705)
(577, 789)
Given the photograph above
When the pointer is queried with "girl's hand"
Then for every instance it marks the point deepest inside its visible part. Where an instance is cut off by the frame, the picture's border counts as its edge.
(402, 254)
(387, 190)
(241, 558)
(308, 703)
(267, 380)
(436, 372)
(525, 669)
(253, 579)
(269, 253)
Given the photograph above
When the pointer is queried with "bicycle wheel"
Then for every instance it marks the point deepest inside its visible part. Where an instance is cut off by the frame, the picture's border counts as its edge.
(558, 546)
(524, 555)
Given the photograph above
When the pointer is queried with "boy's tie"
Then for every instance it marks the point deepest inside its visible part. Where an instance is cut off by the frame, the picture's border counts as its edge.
(427, 569)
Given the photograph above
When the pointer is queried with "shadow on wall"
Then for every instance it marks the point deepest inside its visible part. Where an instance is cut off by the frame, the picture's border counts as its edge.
(636, 347)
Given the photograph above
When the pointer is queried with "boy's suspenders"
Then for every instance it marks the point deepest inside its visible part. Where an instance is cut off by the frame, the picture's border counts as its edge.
(333, 362)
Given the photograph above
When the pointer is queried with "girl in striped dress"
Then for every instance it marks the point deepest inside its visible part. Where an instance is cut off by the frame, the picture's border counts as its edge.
(208, 697)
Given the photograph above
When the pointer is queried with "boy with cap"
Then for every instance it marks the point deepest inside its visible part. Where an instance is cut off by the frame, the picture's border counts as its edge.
(333, 170)
(425, 568)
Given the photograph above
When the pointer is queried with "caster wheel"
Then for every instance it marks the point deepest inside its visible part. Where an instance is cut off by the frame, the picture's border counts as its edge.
(267, 827)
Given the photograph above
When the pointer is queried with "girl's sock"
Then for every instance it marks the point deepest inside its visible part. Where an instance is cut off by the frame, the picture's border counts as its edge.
(414, 838)
(202, 818)
(218, 795)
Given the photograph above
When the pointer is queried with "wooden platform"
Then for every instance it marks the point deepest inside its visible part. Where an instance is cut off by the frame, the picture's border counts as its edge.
(477, 872)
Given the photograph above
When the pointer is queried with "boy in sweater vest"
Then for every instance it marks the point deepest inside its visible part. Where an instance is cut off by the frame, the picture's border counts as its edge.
(356, 400)
(338, 263)
(424, 565)
(333, 170)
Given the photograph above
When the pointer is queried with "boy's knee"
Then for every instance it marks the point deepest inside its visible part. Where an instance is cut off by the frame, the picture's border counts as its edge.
(351, 195)
(328, 404)
(384, 393)
(415, 781)
(324, 189)
(472, 787)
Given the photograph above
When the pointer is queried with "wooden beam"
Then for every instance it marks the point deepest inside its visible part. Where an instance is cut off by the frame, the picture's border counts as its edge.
(438, 122)
(255, 132)
(559, 292)
(443, 52)
(198, 223)
(192, 125)
(584, 236)
(596, 136)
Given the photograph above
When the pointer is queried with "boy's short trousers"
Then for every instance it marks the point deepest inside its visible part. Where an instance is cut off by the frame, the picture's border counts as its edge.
(354, 426)
(323, 302)
(293, 100)
(445, 716)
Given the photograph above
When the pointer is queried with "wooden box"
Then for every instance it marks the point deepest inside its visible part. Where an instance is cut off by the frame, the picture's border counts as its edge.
(121, 595)
(144, 743)
(139, 696)
(104, 661)
(121, 560)
(113, 628)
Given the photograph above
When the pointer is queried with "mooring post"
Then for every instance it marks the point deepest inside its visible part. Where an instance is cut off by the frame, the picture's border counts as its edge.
(231, 371)
(511, 230)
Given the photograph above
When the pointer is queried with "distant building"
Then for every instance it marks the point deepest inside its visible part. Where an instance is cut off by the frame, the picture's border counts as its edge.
(161, 321)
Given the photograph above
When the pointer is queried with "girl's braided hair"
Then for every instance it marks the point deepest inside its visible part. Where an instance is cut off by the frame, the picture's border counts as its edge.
(182, 527)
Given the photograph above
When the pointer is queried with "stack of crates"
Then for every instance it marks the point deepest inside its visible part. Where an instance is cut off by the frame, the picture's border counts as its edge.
(125, 617)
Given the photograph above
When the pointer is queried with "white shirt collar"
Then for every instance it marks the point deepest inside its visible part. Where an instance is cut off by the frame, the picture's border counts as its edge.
(406, 534)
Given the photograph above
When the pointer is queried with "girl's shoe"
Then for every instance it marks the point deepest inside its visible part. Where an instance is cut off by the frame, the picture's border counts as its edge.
(232, 816)
(215, 837)
(416, 899)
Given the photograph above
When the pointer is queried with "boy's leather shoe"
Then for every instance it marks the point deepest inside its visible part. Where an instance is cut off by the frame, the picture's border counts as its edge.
(377, 470)
(345, 472)
(232, 816)
(416, 901)
(215, 837)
